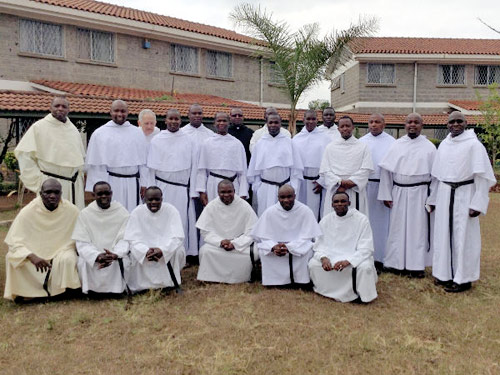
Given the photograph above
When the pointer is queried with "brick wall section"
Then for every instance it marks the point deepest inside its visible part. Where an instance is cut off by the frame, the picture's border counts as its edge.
(351, 88)
(135, 67)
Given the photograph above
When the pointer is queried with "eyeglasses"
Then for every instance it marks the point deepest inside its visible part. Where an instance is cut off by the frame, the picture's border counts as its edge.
(458, 121)
(103, 193)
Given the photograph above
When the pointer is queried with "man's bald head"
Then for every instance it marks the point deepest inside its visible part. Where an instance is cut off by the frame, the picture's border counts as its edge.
(195, 115)
(225, 190)
(269, 110)
(456, 123)
(119, 112)
(413, 125)
(286, 197)
(59, 108)
(376, 124)
(51, 192)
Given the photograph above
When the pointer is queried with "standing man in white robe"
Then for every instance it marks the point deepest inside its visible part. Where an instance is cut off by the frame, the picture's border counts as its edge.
(225, 224)
(147, 123)
(222, 157)
(346, 164)
(41, 261)
(52, 148)
(342, 267)
(257, 135)
(284, 235)
(275, 162)
(465, 175)
(405, 183)
(328, 125)
(99, 241)
(172, 163)
(379, 142)
(117, 154)
(311, 143)
(155, 235)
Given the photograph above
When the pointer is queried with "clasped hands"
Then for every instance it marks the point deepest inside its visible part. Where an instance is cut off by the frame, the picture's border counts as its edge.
(339, 266)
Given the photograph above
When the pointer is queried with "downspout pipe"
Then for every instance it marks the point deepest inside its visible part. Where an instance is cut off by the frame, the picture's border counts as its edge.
(415, 78)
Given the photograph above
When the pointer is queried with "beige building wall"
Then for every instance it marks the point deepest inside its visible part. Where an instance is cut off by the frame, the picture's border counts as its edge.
(134, 67)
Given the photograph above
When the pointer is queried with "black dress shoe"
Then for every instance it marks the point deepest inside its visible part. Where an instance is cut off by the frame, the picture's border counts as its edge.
(416, 274)
(442, 283)
(458, 288)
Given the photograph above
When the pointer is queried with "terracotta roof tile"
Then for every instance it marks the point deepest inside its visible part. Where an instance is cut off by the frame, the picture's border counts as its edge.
(148, 17)
(426, 46)
(470, 105)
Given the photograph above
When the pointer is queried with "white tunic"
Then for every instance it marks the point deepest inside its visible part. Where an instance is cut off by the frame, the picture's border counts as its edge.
(172, 158)
(162, 229)
(459, 159)
(348, 238)
(346, 160)
(97, 229)
(233, 222)
(118, 149)
(150, 137)
(55, 147)
(408, 161)
(198, 135)
(311, 146)
(332, 131)
(379, 214)
(223, 155)
(274, 159)
(257, 135)
(296, 228)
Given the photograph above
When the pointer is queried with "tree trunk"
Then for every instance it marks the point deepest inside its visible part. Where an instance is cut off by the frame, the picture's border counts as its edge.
(292, 123)
(10, 136)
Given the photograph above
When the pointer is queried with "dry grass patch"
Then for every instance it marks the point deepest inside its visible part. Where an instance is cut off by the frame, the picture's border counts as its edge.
(412, 328)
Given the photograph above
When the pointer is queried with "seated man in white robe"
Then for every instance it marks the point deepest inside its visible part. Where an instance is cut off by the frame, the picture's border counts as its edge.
(284, 235)
(147, 123)
(172, 165)
(311, 143)
(405, 184)
(117, 154)
(464, 175)
(222, 157)
(275, 162)
(225, 224)
(346, 164)
(41, 261)
(154, 232)
(342, 267)
(99, 241)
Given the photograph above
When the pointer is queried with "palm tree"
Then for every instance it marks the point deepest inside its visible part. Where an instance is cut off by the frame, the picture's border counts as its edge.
(301, 57)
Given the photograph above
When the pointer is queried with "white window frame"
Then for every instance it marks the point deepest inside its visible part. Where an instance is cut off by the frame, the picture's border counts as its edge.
(179, 48)
(440, 76)
(380, 66)
(37, 51)
(488, 67)
(91, 46)
(275, 76)
(219, 54)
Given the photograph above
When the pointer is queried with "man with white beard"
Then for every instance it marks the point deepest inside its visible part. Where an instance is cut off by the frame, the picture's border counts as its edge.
(172, 162)
(311, 143)
(284, 235)
(117, 154)
(98, 235)
(222, 157)
(346, 164)
(379, 142)
(465, 175)
(275, 162)
(154, 232)
(405, 182)
(342, 267)
(225, 225)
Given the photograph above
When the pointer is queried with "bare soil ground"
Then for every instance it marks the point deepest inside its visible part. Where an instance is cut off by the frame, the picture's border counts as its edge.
(412, 328)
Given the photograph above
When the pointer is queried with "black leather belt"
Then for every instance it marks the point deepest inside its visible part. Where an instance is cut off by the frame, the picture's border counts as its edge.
(454, 186)
(313, 178)
(72, 179)
(290, 265)
(136, 176)
(412, 185)
(374, 179)
(223, 177)
(279, 184)
(171, 182)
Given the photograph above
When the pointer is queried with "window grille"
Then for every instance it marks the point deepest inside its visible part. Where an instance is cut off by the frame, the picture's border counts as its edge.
(41, 38)
(381, 73)
(275, 74)
(183, 59)
(96, 46)
(487, 74)
(389, 131)
(219, 64)
(451, 75)
(440, 133)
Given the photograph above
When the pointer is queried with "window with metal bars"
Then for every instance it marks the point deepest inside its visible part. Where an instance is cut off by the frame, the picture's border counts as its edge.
(219, 64)
(40, 38)
(275, 74)
(486, 74)
(380, 73)
(183, 59)
(451, 74)
(96, 46)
